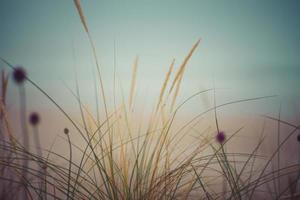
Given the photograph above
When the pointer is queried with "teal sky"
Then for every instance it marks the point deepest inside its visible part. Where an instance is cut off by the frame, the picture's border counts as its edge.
(250, 48)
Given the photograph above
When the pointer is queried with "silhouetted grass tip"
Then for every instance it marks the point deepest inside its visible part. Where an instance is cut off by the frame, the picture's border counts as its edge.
(66, 131)
(34, 119)
(298, 138)
(19, 75)
(220, 137)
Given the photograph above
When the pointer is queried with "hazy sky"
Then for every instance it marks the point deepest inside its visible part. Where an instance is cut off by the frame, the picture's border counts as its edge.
(250, 48)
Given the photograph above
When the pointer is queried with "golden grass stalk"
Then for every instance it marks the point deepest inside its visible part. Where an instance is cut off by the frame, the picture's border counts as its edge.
(8, 131)
(175, 94)
(183, 65)
(81, 15)
(178, 78)
(133, 81)
(83, 21)
(4, 84)
(163, 88)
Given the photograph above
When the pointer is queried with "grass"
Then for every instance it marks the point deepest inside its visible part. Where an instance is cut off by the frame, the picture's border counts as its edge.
(123, 160)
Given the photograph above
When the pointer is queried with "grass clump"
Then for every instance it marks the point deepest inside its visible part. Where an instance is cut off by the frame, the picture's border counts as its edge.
(121, 159)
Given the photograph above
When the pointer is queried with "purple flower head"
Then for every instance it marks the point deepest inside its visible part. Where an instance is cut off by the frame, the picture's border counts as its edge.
(298, 138)
(220, 137)
(66, 131)
(34, 119)
(19, 75)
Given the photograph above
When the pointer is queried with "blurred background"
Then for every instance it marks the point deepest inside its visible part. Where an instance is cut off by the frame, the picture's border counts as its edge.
(248, 49)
